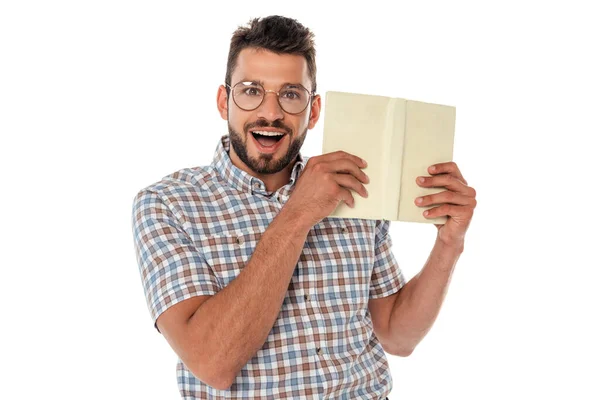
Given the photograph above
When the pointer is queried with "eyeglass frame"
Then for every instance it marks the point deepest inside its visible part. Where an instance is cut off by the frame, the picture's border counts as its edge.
(311, 95)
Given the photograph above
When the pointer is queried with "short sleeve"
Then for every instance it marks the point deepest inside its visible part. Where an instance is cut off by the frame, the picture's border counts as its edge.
(387, 278)
(172, 269)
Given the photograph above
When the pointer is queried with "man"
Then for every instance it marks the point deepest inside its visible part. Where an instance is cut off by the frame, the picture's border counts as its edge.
(260, 294)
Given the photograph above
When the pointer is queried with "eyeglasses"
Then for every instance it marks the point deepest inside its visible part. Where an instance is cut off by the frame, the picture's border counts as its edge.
(293, 98)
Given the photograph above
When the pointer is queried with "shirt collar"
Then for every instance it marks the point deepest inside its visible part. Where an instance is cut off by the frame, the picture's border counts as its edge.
(241, 180)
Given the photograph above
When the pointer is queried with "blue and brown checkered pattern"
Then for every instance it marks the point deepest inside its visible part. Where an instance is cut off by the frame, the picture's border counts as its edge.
(195, 230)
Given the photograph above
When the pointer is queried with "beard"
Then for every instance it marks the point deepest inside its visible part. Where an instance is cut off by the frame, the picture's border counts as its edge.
(265, 164)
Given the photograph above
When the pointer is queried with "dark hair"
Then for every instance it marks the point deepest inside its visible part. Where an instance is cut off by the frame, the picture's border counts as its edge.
(278, 34)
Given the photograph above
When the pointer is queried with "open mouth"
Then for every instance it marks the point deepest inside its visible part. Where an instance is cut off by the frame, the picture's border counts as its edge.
(267, 139)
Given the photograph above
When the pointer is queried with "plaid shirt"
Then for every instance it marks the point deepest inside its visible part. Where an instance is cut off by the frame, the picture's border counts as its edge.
(196, 229)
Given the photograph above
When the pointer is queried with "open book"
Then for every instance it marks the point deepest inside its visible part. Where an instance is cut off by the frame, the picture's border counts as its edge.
(399, 139)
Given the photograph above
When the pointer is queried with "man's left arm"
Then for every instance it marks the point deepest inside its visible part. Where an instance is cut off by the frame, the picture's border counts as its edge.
(403, 319)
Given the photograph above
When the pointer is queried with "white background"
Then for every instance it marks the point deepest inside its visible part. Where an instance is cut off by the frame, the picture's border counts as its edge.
(100, 99)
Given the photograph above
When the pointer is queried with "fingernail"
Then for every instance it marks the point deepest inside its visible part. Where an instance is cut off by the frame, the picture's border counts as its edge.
(421, 179)
(419, 200)
(364, 161)
(432, 168)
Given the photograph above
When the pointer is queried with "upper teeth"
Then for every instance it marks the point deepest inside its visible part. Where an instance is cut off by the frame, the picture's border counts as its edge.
(265, 133)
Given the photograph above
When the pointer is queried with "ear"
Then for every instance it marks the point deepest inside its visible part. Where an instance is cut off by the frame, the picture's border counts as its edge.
(222, 103)
(315, 111)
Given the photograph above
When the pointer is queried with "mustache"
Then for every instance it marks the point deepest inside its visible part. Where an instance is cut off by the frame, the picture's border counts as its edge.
(261, 123)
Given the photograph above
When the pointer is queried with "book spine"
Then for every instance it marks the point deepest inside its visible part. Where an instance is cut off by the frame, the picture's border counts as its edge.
(393, 153)
(386, 156)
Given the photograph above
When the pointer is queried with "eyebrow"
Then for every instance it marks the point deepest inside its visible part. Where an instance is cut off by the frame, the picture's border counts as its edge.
(263, 82)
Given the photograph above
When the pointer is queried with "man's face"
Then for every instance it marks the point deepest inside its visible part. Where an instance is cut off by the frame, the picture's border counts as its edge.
(272, 71)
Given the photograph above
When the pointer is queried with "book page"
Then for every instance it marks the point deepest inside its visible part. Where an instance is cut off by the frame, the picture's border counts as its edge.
(357, 124)
(429, 139)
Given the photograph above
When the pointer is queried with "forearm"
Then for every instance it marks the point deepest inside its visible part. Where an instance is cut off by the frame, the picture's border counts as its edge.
(419, 301)
(234, 324)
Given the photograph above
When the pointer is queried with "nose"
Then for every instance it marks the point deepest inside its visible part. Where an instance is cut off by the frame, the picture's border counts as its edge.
(270, 108)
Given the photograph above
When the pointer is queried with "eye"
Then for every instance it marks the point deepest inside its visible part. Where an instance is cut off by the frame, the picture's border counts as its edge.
(290, 94)
(252, 91)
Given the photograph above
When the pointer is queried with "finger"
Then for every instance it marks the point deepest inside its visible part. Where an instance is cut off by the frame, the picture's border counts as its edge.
(350, 182)
(343, 155)
(345, 195)
(447, 168)
(449, 210)
(446, 197)
(346, 166)
(446, 181)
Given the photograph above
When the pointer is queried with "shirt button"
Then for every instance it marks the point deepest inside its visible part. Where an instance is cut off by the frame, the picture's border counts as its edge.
(240, 240)
(306, 297)
(344, 230)
(256, 185)
(318, 350)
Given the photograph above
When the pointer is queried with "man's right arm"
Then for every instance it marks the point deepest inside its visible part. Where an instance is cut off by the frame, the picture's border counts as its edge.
(215, 336)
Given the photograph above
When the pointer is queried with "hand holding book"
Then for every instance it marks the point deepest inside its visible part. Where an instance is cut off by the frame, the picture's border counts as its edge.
(325, 182)
(457, 202)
